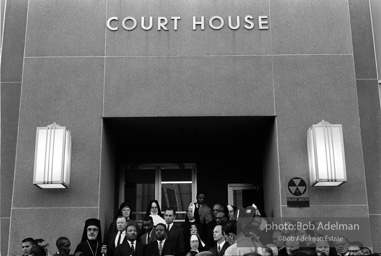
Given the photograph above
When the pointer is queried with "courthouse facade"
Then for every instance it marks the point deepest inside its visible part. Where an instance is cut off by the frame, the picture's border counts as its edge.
(162, 96)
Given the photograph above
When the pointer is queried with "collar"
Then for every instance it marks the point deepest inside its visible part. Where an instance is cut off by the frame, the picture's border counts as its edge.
(222, 244)
(162, 241)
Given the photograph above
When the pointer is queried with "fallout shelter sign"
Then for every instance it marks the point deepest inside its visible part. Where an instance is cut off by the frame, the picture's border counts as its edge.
(297, 192)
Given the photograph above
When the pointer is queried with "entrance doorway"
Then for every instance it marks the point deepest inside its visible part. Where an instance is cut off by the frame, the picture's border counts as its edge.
(172, 185)
(243, 195)
(161, 157)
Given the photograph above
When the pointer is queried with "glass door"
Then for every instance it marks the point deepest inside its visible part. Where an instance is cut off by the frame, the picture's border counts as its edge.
(173, 185)
(241, 195)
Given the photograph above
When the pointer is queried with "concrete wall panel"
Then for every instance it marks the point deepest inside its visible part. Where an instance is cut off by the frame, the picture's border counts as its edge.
(13, 41)
(309, 89)
(310, 27)
(67, 91)
(49, 224)
(362, 37)
(375, 221)
(327, 211)
(108, 176)
(370, 115)
(4, 235)
(66, 28)
(10, 102)
(271, 177)
(186, 86)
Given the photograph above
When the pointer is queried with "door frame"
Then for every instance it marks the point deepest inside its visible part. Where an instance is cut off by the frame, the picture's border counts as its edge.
(238, 186)
(158, 189)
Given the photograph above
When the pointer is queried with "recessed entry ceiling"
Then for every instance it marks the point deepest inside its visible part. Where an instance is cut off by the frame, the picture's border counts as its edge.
(190, 130)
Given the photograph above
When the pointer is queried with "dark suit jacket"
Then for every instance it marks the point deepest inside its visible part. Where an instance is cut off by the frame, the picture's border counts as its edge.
(169, 248)
(125, 249)
(283, 252)
(111, 244)
(143, 238)
(209, 240)
(222, 252)
(177, 237)
(205, 214)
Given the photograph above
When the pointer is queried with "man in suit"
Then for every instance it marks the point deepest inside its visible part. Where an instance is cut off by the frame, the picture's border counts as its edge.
(222, 213)
(162, 246)
(149, 235)
(204, 211)
(219, 238)
(119, 237)
(174, 232)
(132, 247)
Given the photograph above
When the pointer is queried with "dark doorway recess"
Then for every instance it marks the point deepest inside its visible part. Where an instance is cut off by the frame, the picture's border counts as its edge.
(224, 149)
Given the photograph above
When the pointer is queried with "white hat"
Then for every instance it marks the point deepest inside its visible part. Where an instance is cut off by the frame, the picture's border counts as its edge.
(193, 238)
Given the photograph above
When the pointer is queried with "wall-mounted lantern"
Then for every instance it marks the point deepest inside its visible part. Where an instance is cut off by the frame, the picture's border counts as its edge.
(52, 157)
(326, 154)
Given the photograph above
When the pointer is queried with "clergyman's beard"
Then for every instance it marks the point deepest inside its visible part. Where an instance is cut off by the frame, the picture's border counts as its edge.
(92, 237)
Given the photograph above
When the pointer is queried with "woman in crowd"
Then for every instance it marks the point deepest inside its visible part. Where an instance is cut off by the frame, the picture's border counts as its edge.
(124, 210)
(190, 219)
(154, 211)
(194, 231)
(232, 211)
(194, 246)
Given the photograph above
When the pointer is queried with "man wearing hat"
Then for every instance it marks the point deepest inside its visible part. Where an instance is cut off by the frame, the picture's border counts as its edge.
(91, 244)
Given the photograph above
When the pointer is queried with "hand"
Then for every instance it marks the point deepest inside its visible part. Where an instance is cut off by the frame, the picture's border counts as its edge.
(104, 250)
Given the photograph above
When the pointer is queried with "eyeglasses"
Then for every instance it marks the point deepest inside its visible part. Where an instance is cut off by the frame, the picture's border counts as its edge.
(92, 229)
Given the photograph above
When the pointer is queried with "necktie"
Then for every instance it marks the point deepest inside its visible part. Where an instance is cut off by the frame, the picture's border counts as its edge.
(132, 246)
(160, 246)
(148, 237)
(218, 248)
(168, 227)
(117, 240)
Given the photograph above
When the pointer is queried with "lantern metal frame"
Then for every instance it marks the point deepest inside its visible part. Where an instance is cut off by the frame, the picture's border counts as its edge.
(52, 162)
(326, 154)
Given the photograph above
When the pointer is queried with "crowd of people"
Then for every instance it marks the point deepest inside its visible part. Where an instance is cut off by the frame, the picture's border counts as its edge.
(220, 230)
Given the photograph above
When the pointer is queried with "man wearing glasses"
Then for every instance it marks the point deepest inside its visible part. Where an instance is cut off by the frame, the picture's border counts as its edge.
(91, 243)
